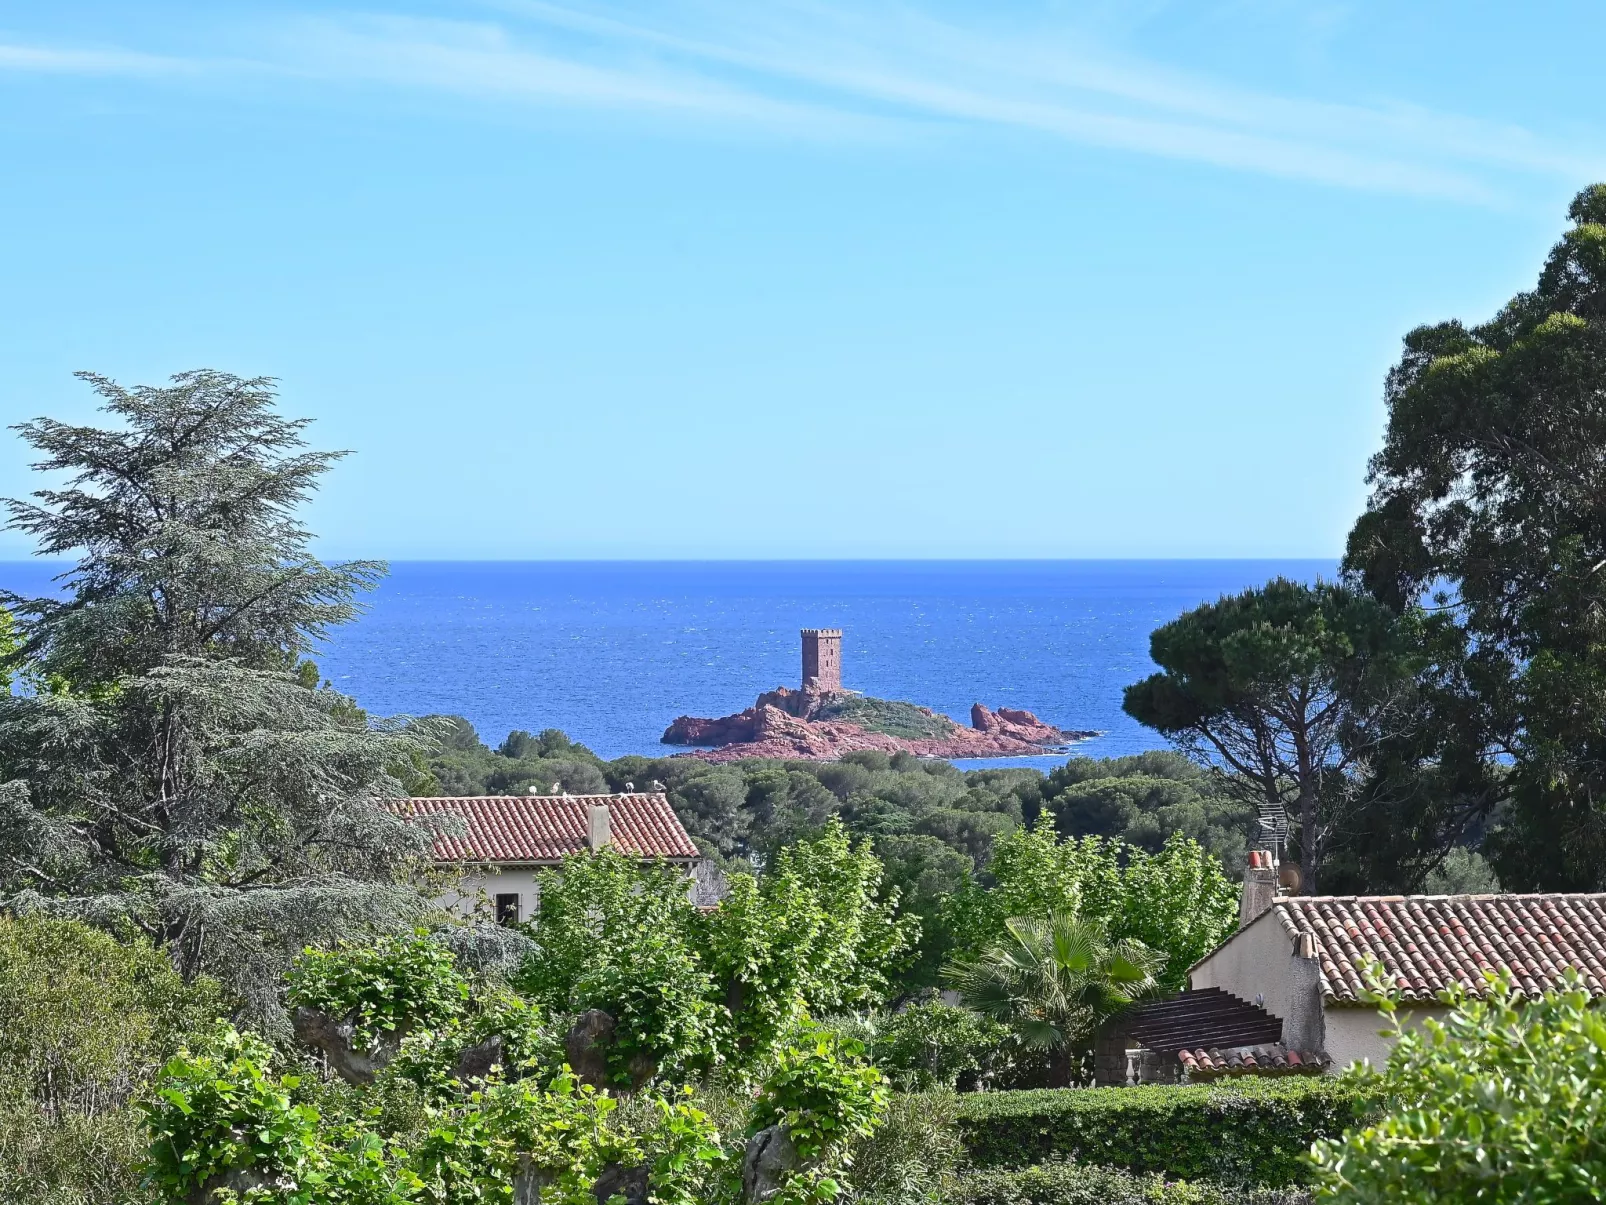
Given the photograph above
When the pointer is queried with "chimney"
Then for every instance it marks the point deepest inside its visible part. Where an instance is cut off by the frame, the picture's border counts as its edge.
(1305, 1026)
(1260, 886)
(599, 827)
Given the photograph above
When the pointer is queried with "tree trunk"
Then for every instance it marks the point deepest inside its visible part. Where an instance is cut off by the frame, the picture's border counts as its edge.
(1307, 840)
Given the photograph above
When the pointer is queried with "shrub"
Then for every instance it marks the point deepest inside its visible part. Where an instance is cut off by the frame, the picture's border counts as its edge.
(1504, 1100)
(85, 1021)
(822, 1092)
(1074, 1184)
(931, 1045)
(387, 986)
(910, 1158)
(1247, 1132)
(219, 1111)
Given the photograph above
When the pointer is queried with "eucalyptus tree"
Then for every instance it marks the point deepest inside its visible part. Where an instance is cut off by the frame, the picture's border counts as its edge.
(1489, 504)
(177, 767)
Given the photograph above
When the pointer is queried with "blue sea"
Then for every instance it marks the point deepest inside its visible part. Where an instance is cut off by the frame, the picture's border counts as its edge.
(611, 652)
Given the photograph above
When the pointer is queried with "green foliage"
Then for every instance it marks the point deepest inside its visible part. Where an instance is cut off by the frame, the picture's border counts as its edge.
(179, 775)
(1484, 502)
(10, 650)
(1054, 981)
(1066, 1183)
(478, 1146)
(219, 1111)
(1145, 798)
(382, 986)
(1253, 1131)
(1178, 902)
(85, 1022)
(930, 1045)
(911, 1157)
(934, 828)
(1273, 684)
(887, 715)
(85, 1019)
(1463, 872)
(1503, 1101)
(690, 991)
(687, 1164)
(463, 765)
(219, 1119)
(614, 936)
(813, 937)
(822, 1092)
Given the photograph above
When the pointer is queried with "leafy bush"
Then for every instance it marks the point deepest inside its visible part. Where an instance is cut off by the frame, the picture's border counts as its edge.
(1074, 1184)
(691, 991)
(910, 1158)
(621, 938)
(220, 1111)
(383, 987)
(932, 1045)
(1505, 1100)
(85, 1021)
(822, 1092)
(1247, 1132)
(1177, 901)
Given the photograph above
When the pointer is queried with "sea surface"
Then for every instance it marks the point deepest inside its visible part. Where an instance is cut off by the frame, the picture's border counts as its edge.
(611, 652)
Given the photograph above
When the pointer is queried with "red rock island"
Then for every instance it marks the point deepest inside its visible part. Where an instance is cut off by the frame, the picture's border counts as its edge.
(822, 721)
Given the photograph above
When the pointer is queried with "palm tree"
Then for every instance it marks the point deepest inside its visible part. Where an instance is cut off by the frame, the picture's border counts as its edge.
(1055, 981)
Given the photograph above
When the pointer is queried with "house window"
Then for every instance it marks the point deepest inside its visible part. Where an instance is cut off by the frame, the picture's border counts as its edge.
(507, 908)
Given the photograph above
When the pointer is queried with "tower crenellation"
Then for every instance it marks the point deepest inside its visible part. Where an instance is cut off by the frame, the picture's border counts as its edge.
(822, 660)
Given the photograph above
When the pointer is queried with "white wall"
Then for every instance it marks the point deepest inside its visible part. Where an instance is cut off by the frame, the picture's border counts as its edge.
(1353, 1033)
(1253, 962)
(478, 890)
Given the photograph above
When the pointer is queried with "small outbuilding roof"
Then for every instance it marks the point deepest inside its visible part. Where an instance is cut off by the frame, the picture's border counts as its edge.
(1427, 942)
(1205, 1017)
(544, 829)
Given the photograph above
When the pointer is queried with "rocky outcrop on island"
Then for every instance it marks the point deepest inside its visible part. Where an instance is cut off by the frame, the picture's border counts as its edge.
(799, 724)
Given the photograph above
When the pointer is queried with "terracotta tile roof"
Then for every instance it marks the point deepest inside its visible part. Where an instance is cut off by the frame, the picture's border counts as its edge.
(1427, 942)
(1274, 1059)
(547, 828)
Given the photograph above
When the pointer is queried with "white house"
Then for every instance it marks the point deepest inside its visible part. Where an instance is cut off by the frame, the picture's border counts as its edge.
(1301, 959)
(499, 843)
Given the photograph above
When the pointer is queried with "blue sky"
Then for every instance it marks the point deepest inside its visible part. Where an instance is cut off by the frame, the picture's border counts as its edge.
(836, 278)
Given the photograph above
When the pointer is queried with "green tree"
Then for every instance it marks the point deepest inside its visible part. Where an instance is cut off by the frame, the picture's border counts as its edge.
(1273, 684)
(1054, 980)
(1145, 798)
(622, 938)
(815, 935)
(1503, 1101)
(186, 778)
(1487, 499)
(1178, 902)
(926, 873)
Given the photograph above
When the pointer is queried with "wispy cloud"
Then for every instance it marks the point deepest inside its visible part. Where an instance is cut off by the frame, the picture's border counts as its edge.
(69, 61)
(487, 59)
(834, 67)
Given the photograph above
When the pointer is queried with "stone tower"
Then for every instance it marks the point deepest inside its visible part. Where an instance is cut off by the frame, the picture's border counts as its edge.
(822, 660)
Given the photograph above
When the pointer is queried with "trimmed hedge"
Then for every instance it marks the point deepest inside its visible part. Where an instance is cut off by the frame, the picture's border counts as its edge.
(1251, 1131)
(1074, 1184)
